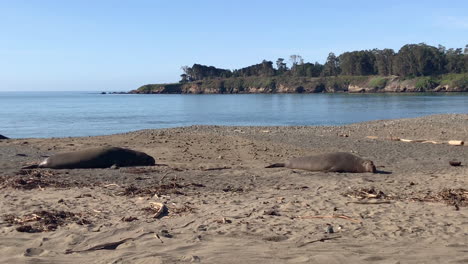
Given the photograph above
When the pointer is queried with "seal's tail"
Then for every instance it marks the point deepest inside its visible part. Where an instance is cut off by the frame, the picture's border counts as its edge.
(276, 165)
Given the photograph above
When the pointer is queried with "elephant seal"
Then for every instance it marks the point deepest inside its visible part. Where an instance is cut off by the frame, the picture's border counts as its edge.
(103, 157)
(331, 162)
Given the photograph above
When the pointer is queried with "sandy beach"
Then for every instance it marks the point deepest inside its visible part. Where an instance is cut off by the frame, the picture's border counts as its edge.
(221, 205)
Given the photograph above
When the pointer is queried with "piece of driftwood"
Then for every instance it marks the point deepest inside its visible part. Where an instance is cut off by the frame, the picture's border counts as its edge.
(450, 142)
(413, 140)
(369, 202)
(405, 140)
(431, 141)
(162, 178)
(330, 216)
(111, 184)
(216, 168)
(323, 239)
(456, 142)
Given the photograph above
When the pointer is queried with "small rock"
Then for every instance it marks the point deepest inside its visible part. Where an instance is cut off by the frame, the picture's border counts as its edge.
(273, 212)
(190, 259)
(165, 233)
(455, 163)
(129, 219)
(202, 228)
(330, 229)
(114, 167)
(30, 252)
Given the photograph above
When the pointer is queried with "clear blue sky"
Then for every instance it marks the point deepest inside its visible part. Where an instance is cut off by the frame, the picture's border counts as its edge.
(116, 45)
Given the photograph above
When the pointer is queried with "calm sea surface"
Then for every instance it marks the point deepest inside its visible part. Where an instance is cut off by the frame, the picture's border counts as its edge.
(63, 114)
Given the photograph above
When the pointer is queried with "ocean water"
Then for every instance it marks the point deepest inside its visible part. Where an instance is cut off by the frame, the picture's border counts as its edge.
(66, 114)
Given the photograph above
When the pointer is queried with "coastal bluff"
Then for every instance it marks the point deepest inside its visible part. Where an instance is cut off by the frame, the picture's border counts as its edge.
(336, 84)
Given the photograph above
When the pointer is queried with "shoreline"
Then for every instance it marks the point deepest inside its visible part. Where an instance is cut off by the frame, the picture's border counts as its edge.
(339, 92)
(224, 206)
(234, 127)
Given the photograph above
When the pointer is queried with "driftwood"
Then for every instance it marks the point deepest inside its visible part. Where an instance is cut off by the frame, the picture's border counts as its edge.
(330, 216)
(216, 168)
(323, 239)
(450, 142)
(369, 202)
(456, 143)
(162, 178)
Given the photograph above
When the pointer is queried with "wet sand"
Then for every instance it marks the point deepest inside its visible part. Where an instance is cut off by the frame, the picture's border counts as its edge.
(223, 206)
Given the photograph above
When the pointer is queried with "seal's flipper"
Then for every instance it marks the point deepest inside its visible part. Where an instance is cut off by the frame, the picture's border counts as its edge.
(276, 165)
(35, 166)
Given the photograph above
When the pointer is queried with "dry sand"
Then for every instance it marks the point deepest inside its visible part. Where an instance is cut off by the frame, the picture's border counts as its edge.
(223, 206)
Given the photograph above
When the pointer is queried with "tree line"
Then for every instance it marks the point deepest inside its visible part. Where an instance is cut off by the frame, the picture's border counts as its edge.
(410, 61)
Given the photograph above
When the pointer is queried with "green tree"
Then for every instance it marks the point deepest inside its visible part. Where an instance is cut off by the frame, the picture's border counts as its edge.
(262, 69)
(307, 70)
(295, 60)
(332, 66)
(465, 54)
(384, 61)
(281, 66)
(455, 61)
(419, 60)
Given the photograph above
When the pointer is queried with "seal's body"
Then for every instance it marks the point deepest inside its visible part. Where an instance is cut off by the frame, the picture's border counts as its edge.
(331, 162)
(103, 157)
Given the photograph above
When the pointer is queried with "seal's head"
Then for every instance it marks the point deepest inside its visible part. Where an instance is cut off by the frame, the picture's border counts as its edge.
(149, 160)
(369, 166)
(143, 159)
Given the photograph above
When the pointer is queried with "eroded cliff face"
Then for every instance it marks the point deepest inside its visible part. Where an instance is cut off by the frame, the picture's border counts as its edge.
(370, 84)
(396, 85)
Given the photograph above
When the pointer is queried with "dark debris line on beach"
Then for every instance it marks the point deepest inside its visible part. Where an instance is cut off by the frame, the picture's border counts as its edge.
(43, 221)
(457, 197)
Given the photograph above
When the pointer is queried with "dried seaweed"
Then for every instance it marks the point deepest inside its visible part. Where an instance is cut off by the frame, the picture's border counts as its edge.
(173, 187)
(454, 197)
(184, 209)
(43, 221)
(29, 179)
(457, 197)
(366, 193)
(158, 189)
(156, 210)
(230, 188)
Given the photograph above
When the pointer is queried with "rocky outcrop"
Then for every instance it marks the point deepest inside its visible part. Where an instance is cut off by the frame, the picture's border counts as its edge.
(338, 84)
(3, 137)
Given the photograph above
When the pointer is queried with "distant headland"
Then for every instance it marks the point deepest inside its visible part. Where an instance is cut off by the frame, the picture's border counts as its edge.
(414, 68)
